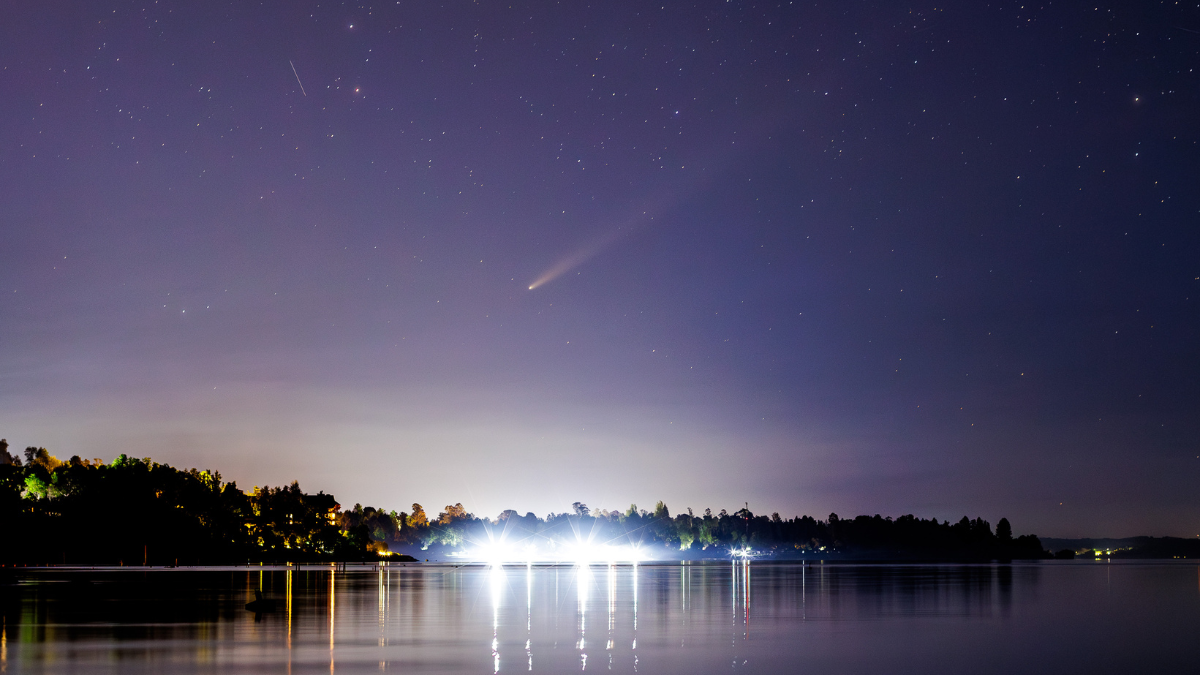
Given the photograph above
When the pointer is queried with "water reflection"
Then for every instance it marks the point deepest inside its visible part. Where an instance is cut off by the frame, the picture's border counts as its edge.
(633, 644)
(529, 614)
(693, 618)
(612, 607)
(497, 587)
(583, 578)
(332, 613)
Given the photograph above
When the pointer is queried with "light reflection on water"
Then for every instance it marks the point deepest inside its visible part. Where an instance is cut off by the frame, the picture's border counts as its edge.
(652, 618)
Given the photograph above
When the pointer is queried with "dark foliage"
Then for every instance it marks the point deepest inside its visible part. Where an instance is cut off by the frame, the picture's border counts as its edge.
(135, 511)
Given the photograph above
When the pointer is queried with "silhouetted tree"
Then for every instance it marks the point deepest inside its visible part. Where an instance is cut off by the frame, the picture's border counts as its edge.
(1004, 531)
(6, 458)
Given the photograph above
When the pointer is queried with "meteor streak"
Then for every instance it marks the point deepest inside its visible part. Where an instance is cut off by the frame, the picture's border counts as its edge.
(297, 78)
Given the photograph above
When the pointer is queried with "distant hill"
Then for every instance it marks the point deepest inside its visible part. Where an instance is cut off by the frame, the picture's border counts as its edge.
(1129, 547)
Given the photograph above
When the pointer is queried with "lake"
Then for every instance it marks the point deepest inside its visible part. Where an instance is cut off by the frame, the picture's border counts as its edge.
(756, 617)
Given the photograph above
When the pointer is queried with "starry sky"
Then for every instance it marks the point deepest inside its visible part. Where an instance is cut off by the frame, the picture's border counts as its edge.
(834, 256)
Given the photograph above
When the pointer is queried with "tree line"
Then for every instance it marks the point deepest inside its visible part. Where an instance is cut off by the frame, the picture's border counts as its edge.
(135, 511)
(691, 535)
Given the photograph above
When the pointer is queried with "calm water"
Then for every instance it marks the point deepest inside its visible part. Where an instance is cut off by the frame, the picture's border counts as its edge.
(1081, 617)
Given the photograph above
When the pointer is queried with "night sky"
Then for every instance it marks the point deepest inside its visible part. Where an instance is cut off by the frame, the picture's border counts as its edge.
(838, 256)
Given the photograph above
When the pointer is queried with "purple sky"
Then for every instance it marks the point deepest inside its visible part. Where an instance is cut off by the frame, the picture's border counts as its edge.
(851, 257)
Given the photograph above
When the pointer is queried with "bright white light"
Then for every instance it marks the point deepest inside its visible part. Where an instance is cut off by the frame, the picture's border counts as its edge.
(590, 553)
(744, 552)
(498, 552)
(496, 583)
(495, 552)
(585, 553)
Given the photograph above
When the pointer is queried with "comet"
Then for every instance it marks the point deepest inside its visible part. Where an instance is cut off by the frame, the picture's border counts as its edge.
(683, 185)
(602, 242)
(585, 253)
